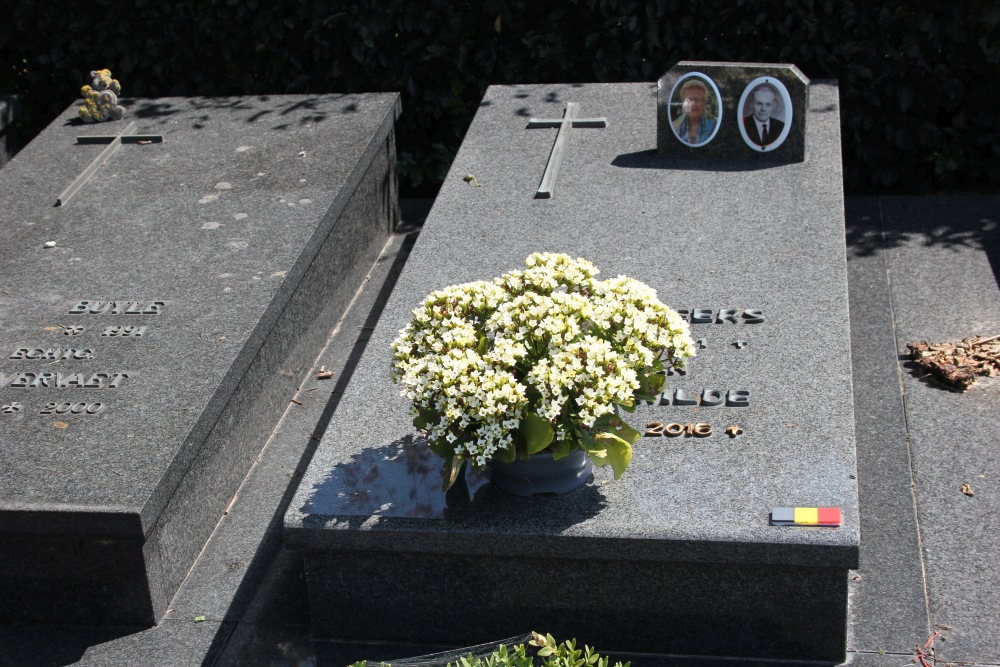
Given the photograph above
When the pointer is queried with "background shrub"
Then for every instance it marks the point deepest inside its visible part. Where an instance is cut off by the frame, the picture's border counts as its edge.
(917, 79)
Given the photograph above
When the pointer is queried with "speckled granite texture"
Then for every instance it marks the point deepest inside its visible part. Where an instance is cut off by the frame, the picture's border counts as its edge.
(727, 236)
(242, 236)
(264, 621)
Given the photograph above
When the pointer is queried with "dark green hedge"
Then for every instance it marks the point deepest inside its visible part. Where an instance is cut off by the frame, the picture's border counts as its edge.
(919, 80)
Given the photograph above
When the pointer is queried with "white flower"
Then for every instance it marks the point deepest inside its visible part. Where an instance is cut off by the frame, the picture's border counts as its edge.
(473, 353)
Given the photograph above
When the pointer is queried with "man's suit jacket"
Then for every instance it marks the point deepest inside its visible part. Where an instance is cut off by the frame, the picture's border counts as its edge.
(774, 131)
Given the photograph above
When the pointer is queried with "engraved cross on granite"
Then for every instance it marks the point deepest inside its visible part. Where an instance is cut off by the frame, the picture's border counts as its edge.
(114, 142)
(569, 120)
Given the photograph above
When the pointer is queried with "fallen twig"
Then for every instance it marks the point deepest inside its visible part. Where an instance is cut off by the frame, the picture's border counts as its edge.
(927, 651)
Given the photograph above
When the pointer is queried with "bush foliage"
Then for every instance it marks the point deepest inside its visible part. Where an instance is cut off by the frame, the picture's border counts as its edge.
(916, 78)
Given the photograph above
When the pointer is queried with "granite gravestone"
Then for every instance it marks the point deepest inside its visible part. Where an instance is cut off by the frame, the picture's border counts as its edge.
(679, 556)
(155, 325)
(736, 111)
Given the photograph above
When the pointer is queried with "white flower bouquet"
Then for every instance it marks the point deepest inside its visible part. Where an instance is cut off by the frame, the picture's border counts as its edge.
(534, 360)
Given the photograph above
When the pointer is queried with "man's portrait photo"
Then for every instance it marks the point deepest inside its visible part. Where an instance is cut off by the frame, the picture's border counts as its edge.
(694, 109)
(766, 114)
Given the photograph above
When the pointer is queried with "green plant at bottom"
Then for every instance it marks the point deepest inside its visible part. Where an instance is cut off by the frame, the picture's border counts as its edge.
(551, 653)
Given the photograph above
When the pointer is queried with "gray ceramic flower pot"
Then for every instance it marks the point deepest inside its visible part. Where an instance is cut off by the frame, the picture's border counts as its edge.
(543, 474)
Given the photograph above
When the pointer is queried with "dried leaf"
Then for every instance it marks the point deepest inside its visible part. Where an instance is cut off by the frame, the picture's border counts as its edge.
(967, 490)
(60, 424)
(958, 364)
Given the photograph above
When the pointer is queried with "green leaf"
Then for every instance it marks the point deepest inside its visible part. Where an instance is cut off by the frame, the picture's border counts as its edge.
(442, 448)
(650, 383)
(425, 419)
(618, 456)
(199, 619)
(505, 455)
(537, 432)
(614, 425)
(606, 422)
(591, 446)
(450, 470)
(560, 449)
(629, 434)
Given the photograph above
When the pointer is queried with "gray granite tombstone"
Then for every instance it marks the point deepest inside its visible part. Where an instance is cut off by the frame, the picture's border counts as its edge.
(156, 323)
(10, 107)
(679, 556)
(736, 111)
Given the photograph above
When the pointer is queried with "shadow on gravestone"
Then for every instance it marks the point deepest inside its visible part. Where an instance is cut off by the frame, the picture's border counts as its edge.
(48, 646)
(158, 109)
(652, 160)
(949, 222)
(403, 480)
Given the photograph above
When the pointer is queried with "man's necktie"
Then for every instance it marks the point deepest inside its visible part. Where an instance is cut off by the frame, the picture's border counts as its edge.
(764, 135)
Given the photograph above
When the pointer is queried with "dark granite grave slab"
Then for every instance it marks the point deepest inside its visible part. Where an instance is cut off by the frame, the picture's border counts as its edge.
(232, 247)
(943, 254)
(886, 604)
(682, 542)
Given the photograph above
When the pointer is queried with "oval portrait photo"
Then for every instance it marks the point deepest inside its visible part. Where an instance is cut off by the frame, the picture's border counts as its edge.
(765, 114)
(695, 109)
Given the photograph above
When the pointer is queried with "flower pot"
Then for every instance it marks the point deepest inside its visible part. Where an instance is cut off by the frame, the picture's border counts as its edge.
(542, 474)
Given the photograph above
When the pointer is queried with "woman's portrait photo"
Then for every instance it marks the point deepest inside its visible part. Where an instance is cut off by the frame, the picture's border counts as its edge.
(695, 109)
(765, 114)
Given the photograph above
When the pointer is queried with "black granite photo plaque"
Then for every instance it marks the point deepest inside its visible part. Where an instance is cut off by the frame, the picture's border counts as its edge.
(751, 98)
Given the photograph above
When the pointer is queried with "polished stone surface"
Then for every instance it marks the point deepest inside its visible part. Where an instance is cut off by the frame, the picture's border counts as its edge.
(888, 609)
(887, 590)
(944, 287)
(195, 279)
(767, 261)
